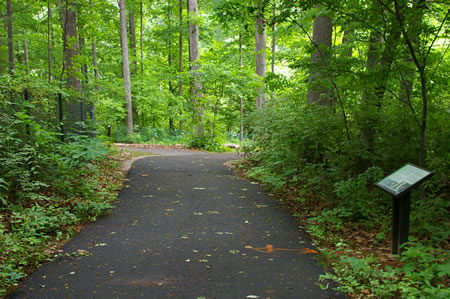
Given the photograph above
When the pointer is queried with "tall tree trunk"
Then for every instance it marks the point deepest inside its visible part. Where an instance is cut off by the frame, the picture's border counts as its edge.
(133, 41)
(10, 37)
(274, 39)
(260, 47)
(141, 38)
(194, 57)
(169, 61)
(319, 91)
(126, 66)
(49, 39)
(241, 100)
(75, 109)
(180, 60)
(133, 64)
(96, 75)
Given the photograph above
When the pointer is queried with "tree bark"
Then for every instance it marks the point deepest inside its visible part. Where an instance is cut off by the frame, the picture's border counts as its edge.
(141, 40)
(133, 41)
(49, 39)
(274, 39)
(241, 100)
(319, 91)
(180, 60)
(194, 57)
(74, 108)
(96, 74)
(260, 47)
(126, 66)
(10, 37)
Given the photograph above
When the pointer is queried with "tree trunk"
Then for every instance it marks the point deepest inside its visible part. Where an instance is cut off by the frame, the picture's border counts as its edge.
(274, 39)
(74, 108)
(241, 100)
(96, 75)
(126, 66)
(141, 40)
(319, 91)
(169, 62)
(260, 46)
(194, 57)
(10, 37)
(180, 60)
(49, 39)
(133, 41)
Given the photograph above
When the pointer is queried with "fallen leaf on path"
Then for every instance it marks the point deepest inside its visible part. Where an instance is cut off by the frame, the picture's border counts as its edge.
(261, 206)
(234, 251)
(198, 214)
(100, 244)
(199, 188)
(203, 261)
(213, 212)
(144, 174)
(252, 297)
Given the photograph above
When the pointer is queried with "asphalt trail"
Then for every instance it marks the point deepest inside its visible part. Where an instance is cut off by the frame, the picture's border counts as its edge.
(185, 227)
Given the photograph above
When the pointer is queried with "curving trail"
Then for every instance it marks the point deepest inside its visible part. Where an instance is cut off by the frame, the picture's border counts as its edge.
(185, 227)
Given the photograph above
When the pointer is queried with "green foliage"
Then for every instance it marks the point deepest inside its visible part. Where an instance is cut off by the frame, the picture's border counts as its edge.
(46, 186)
(82, 149)
(422, 275)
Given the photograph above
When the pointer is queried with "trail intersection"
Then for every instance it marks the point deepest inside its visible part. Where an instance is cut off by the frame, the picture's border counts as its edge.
(185, 227)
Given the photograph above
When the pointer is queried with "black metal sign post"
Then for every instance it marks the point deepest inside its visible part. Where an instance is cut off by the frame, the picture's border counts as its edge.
(400, 221)
(399, 184)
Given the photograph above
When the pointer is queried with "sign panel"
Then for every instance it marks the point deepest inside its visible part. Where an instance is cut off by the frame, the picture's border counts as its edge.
(404, 179)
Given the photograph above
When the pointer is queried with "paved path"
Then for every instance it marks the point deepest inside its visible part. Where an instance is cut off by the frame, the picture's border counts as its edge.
(185, 227)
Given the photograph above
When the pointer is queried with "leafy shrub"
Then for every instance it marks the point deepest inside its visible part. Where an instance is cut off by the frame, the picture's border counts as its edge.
(422, 275)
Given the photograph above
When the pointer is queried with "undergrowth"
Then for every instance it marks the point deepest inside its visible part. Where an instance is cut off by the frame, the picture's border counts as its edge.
(327, 180)
(47, 190)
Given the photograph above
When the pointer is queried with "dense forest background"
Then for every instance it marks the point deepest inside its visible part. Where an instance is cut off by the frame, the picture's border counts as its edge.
(325, 97)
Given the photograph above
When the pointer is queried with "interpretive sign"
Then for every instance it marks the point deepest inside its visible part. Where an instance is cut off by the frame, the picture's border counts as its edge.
(404, 179)
(399, 185)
